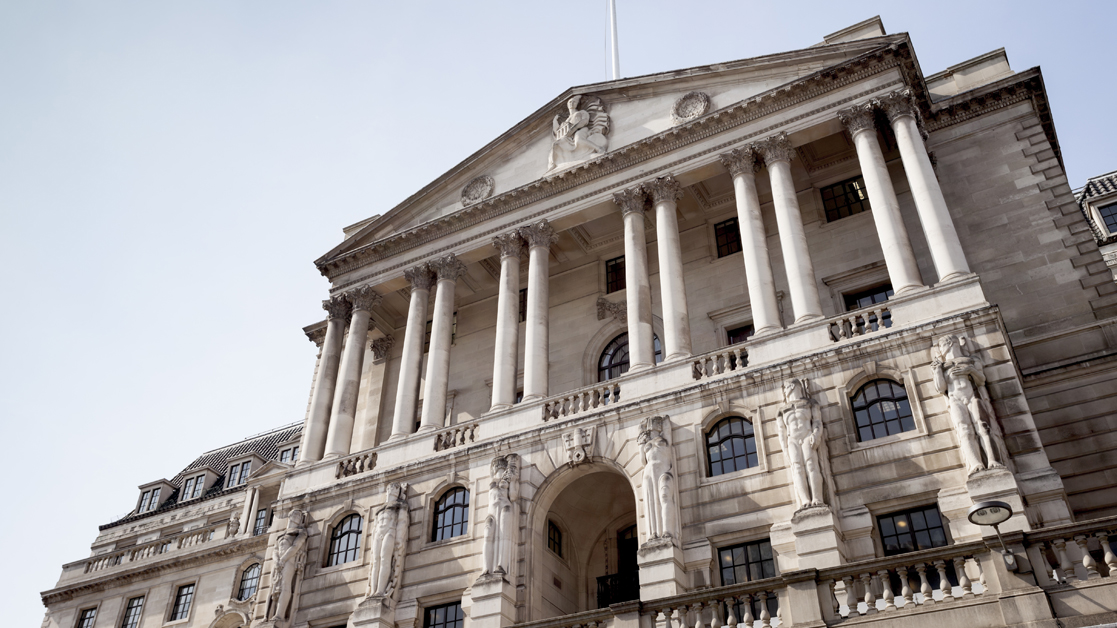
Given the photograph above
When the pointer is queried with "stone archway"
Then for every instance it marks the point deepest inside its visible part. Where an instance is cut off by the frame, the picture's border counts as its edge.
(232, 619)
(590, 505)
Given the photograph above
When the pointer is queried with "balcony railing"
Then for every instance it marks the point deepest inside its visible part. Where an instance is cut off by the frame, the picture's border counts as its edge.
(581, 400)
(727, 360)
(357, 463)
(138, 553)
(454, 436)
(860, 322)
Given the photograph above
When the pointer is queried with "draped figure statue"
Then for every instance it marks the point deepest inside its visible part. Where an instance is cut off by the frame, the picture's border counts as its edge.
(290, 556)
(581, 136)
(961, 377)
(389, 542)
(504, 491)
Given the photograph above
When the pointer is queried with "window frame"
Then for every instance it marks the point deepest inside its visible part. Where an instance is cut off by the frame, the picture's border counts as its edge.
(713, 416)
(79, 621)
(123, 623)
(554, 537)
(878, 529)
(433, 528)
(241, 597)
(872, 425)
(616, 267)
(521, 315)
(657, 347)
(731, 229)
(751, 433)
(260, 522)
(334, 551)
(428, 611)
(866, 206)
(173, 602)
(871, 371)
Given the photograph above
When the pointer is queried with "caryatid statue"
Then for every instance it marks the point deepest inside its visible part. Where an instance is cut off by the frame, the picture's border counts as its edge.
(658, 479)
(961, 377)
(801, 436)
(581, 136)
(504, 491)
(290, 556)
(389, 542)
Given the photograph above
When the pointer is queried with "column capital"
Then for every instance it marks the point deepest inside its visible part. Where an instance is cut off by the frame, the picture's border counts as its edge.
(859, 118)
(337, 307)
(381, 347)
(741, 160)
(662, 189)
(448, 267)
(539, 234)
(775, 148)
(510, 245)
(899, 103)
(421, 277)
(633, 199)
(363, 298)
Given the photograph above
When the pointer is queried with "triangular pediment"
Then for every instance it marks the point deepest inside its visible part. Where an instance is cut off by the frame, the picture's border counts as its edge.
(636, 109)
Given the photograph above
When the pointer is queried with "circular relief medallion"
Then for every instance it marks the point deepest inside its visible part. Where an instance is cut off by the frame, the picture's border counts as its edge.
(477, 190)
(693, 105)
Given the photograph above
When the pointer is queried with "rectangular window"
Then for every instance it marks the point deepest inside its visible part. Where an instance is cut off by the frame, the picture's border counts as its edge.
(430, 327)
(614, 274)
(261, 522)
(747, 562)
(234, 476)
(1109, 217)
(85, 619)
(188, 489)
(245, 469)
(728, 237)
(183, 599)
(285, 455)
(132, 613)
(154, 499)
(554, 538)
(845, 198)
(911, 530)
(523, 304)
(145, 500)
(739, 334)
(194, 487)
(444, 616)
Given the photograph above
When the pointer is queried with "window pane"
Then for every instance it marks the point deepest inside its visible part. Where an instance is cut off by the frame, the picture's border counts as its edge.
(132, 613)
(451, 515)
(730, 445)
(746, 562)
(845, 198)
(907, 531)
(881, 408)
(614, 275)
(183, 600)
(85, 619)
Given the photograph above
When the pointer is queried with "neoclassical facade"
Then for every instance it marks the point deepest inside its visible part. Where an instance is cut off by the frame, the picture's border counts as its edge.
(741, 344)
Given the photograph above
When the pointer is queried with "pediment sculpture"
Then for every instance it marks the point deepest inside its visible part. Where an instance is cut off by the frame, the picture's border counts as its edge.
(581, 135)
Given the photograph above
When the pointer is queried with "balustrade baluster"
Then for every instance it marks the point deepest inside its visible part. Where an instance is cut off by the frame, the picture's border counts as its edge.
(886, 590)
(765, 616)
(924, 584)
(1110, 558)
(1065, 569)
(944, 583)
(870, 597)
(851, 596)
(1087, 560)
(746, 603)
(730, 616)
(831, 587)
(963, 577)
(905, 587)
(665, 613)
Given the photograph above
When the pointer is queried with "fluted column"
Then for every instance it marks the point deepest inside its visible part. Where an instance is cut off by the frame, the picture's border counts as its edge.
(742, 164)
(664, 191)
(638, 290)
(899, 256)
(805, 302)
(938, 226)
(321, 400)
(539, 236)
(411, 362)
(448, 269)
(506, 351)
(339, 437)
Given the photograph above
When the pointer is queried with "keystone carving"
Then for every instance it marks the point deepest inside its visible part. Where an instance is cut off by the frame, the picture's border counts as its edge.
(663, 189)
(579, 445)
(539, 234)
(382, 347)
(741, 160)
(776, 148)
(337, 307)
(421, 277)
(510, 245)
(581, 136)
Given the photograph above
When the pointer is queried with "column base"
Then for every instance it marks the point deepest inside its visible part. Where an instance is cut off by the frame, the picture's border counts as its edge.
(501, 407)
(331, 457)
(911, 289)
(807, 318)
(373, 612)
(676, 357)
(764, 331)
(661, 569)
(533, 397)
(952, 277)
(636, 368)
(423, 429)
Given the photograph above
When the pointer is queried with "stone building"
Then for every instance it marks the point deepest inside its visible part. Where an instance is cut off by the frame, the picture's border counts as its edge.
(1098, 200)
(735, 344)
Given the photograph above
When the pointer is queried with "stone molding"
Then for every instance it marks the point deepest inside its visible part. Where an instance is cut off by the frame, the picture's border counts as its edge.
(382, 347)
(776, 148)
(477, 190)
(510, 245)
(858, 118)
(606, 308)
(317, 336)
(690, 107)
(337, 307)
(663, 189)
(363, 298)
(633, 199)
(421, 277)
(741, 160)
(448, 267)
(539, 234)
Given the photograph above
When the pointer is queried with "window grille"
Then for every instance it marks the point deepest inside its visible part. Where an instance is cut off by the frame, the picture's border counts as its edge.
(345, 542)
(614, 359)
(614, 274)
(845, 198)
(132, 613)
(183, 599)
(261, 524)
(451, 515)
(523, 304)
(731, 445)
(1109, 217)
(554, 538)
(881, 408)
(728, 237)
(444, 616)
(249, 581)
(85, 619)
(911, 530)
(747, 562)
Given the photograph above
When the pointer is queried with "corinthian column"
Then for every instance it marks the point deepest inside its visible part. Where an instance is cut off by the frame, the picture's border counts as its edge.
(664, 191)
(638, 290)
(448, 269)
(339, 438)
(407, 389)
(942, 238)
(511, 247)
(899, 257)
(777, 153)
(314, 436)
(539, 237)
(742, 164)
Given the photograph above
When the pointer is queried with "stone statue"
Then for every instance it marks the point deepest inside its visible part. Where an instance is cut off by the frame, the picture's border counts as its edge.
(658, 478)
(389, 542)
(233, 526)
(504, 491)
(801, 436)
(290, 556)
(961, 377)
(581, 136)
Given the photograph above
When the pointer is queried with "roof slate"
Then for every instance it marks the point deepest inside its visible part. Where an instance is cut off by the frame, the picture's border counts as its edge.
(1097, 186)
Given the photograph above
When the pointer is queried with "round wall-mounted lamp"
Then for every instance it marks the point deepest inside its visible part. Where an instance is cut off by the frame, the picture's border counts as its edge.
(994, 514)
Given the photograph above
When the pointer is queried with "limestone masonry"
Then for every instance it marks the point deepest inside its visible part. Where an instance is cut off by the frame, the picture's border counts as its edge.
(768, 342)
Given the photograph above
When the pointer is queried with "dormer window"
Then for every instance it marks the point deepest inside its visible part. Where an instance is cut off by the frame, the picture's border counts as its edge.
(152, 496)
(238, 473)
(194, 487)
(290, 455)
(149, 500)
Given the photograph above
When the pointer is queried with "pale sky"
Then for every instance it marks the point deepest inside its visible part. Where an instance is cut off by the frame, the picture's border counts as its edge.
(169, 172)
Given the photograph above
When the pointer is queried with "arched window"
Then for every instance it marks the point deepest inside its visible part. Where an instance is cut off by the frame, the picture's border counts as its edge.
(451, 514)
(345, 542)
(731, 446)
(249, 581)
(881, 408)
(614, 359)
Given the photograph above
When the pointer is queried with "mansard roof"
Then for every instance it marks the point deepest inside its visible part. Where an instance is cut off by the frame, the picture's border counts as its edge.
(265, 445)
(1101, 185)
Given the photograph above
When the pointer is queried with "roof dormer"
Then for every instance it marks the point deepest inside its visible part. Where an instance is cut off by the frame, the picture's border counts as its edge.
(196, 482)
(152, 495)
(241, 467)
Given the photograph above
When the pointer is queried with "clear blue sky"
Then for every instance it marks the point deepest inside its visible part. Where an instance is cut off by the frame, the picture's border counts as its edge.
(169, 171)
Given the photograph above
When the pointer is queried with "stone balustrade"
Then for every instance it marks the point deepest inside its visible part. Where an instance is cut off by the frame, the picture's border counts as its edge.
(355, 464)
(860, 322)
(1078, 552)
(599, 618)
(455, 435)
(581, 400)
(750, 605)
(722, 361)
(184, 540)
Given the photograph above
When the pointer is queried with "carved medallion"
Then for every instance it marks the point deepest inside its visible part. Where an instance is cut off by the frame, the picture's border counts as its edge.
(690, 107)
(477, 190)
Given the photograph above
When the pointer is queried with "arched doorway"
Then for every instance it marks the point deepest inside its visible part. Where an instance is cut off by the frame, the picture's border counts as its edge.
(584, 545)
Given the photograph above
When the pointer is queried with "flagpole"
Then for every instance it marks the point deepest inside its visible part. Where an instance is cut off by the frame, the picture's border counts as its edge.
(613, 30)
